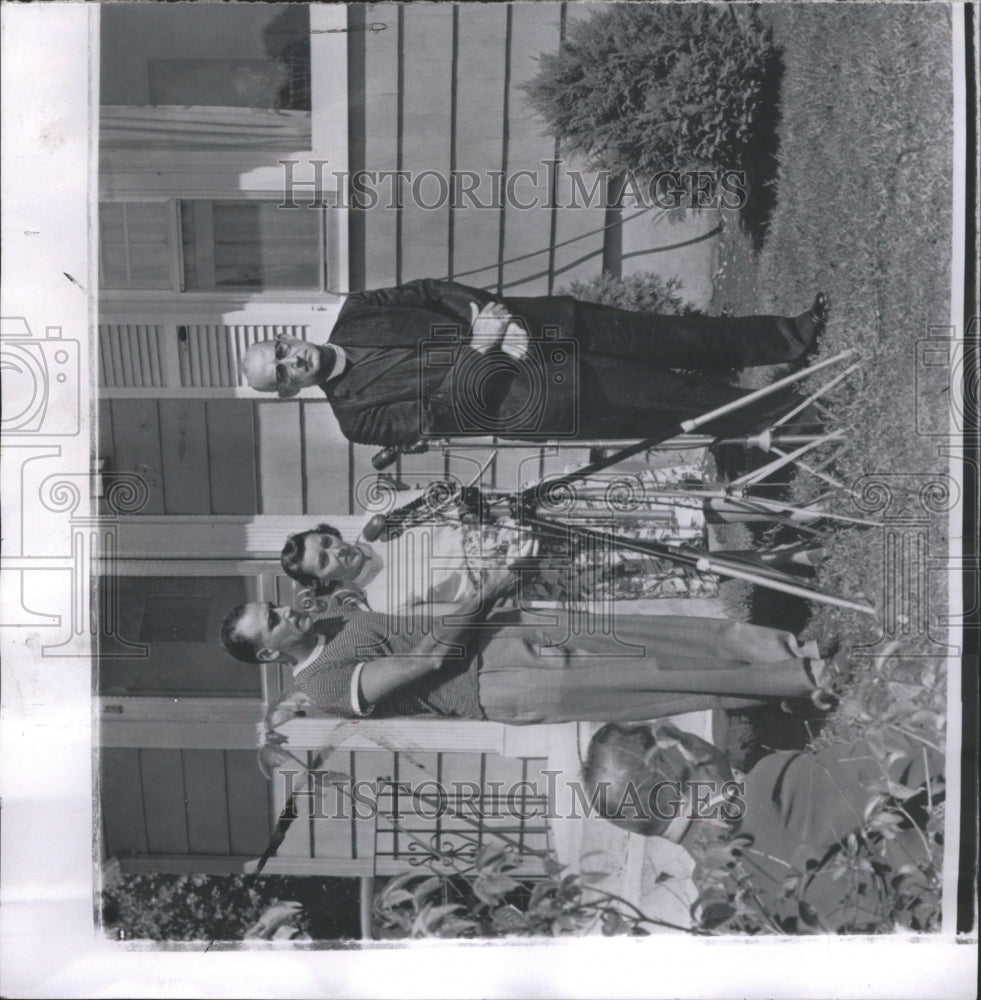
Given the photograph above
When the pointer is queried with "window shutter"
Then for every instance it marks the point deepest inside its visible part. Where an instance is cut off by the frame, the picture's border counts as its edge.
(181, 356)
(210, 353)
(130, 355)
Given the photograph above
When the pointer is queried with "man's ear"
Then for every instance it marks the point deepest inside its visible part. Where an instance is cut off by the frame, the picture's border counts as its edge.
(266, 655)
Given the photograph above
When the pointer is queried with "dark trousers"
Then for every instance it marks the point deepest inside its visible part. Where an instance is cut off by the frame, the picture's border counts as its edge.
(697, 343)
(641, 374)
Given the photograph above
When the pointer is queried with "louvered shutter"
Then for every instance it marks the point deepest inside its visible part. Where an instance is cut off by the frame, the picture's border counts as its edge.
(181, 359)
(210, 353)
(131, 355)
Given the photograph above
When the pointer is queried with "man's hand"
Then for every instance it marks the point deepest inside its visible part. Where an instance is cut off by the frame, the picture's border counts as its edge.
(488, 326)
(497, 585)
(515, 341)
(444, 644)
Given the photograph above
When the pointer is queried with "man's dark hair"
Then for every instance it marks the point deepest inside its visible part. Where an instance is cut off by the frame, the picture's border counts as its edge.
(241, 648)
(292, 556)
(621, 772)
(615, 762)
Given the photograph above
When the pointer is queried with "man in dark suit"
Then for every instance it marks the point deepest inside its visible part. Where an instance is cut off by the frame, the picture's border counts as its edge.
(435, 359)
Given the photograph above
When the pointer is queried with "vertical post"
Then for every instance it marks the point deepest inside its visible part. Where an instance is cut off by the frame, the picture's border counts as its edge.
(613, 227)
(367, 906)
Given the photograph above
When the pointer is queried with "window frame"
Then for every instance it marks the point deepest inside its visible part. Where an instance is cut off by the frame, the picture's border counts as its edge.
(328, 223)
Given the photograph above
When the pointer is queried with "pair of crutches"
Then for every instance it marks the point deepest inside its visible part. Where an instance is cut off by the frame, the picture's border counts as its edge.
(526, 504)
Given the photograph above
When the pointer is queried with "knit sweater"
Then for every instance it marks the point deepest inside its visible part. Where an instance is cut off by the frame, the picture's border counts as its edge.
(361, 636)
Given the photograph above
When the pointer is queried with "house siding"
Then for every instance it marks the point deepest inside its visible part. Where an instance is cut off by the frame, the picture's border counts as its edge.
(440, 89)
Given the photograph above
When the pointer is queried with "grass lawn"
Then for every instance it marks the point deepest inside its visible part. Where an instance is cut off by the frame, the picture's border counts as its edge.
(863, 211)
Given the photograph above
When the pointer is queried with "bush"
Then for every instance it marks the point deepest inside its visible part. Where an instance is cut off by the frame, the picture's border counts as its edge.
(164, 907)
(641, 292)
(648, 87)
(491, 902)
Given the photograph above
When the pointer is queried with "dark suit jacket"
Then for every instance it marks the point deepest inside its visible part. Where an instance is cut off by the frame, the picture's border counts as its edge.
(415, 375)
(591, 371)
(799, 809)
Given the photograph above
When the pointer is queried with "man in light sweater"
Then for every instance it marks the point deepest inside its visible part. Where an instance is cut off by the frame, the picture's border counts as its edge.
(520, 667)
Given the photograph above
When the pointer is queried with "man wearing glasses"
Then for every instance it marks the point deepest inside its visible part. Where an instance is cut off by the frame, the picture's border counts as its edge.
(438, 359)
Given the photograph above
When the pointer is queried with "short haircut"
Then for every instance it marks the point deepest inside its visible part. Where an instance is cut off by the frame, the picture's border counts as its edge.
(292, 556)
(618, 770)
(237, 645)
(614, 762)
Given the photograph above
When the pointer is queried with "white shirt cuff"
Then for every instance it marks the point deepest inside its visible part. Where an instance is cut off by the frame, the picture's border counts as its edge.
(355, 700)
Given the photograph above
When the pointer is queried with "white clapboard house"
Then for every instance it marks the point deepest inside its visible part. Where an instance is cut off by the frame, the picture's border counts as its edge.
(200, 104)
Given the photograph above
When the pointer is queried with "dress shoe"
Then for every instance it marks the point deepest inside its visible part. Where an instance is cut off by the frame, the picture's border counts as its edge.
(810, 325)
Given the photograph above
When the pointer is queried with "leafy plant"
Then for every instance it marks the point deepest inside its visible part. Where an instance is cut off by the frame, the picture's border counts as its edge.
(641, 292)
(496, 901)
(647, 87)
(872, 894)
(875, 890)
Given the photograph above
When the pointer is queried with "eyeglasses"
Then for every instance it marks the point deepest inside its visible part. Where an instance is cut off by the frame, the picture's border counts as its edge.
(326, 542)
(283, 377)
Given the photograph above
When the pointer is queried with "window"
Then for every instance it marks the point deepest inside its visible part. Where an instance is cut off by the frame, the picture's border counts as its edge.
(208, 245)
(249, 244)
(135, 245)
(206, 55)
(219, 83)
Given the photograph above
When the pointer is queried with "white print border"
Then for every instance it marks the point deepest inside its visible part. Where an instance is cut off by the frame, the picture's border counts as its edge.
(46, 940)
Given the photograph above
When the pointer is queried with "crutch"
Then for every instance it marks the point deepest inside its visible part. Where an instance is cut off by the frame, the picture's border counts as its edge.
(768, 577)
(768, 437)
(762, 505)
(786, 458)
(551, 483)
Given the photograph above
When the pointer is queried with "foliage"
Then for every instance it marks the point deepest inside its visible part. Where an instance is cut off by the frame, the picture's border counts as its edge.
(880, 122)
(641, 292)
(871, 882)
(493, 902)
(875, 893)
(647, 87)
(159, 907)
(892, 700)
